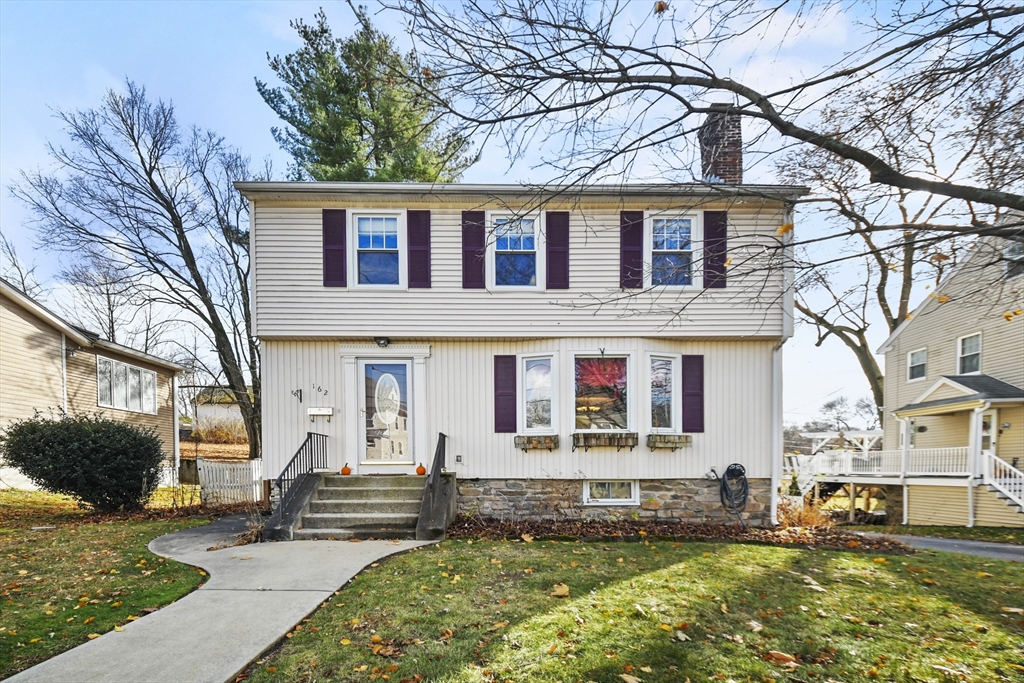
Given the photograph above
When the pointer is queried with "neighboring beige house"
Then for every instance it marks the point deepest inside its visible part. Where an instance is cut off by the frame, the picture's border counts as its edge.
(49, 365)
(604, 347)
(954, 402)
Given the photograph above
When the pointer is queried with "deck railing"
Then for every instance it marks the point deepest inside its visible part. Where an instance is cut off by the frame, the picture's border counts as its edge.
(922, 462)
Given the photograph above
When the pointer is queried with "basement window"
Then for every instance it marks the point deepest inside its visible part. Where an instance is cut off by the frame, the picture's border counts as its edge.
(611, 492)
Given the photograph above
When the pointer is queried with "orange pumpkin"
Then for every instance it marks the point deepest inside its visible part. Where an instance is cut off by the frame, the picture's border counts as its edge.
(421, 470)
(346, 469)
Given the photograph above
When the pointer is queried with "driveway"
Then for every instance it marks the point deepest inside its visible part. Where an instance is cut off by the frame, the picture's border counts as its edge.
(996, 551)
(255, 594)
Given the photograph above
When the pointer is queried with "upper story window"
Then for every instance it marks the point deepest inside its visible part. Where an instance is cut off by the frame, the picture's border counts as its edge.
(1014, 256)
(377, 255)
(672, 250)
(516, 251)
(125, 387)
(601, 393)
(917, 364)
(538, 394)
(969, 354)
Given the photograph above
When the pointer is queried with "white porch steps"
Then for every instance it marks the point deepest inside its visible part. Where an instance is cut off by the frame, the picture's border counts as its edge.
(1003, 490)
(358, 507)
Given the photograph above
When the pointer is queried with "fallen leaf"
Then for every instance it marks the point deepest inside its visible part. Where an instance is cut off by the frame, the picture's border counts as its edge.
(345, 641)
(784, 229)
(780, 658)
(665, 627)
(527, 537)
(630, 679)
(89, 620)
(119, 628)
(560, 590)
(1013, 610)
(754, 626)
(93, 636)
(725, 608)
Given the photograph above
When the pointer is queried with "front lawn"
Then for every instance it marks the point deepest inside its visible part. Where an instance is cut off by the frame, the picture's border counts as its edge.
(978, 533)
(484, 611)
(58, 586)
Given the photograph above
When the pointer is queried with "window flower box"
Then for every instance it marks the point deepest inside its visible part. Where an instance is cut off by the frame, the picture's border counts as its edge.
(617, 440)
(537, 442)
(668, 441)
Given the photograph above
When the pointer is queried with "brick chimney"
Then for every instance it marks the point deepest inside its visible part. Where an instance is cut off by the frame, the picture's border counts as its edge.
(721, 146)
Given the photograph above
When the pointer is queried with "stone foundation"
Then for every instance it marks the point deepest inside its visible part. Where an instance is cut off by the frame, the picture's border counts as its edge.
(688, 500)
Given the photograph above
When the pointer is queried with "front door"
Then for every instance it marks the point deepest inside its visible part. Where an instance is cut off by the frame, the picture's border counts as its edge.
(989, 430)
(384, 415)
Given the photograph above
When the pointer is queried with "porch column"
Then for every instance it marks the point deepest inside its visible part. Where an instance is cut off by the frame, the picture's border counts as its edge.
(853, 502)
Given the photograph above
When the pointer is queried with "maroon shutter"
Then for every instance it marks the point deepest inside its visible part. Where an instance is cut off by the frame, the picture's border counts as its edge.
(418, 238)
(505, 394)
(631, 249)
(693, 394)
(715, 236)
(474, 247)
(334, 248)
(556, 225)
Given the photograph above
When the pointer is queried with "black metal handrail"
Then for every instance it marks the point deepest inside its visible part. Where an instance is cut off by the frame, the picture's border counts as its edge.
(312, 455)
(438, 464)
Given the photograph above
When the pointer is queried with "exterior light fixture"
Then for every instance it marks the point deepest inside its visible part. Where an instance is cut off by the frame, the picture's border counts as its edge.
(381, 341)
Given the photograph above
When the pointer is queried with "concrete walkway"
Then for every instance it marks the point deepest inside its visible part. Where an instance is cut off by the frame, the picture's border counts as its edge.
(996, 551)
(255, 594)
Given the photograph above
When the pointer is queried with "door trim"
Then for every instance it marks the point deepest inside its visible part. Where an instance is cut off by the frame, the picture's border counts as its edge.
(350, 355)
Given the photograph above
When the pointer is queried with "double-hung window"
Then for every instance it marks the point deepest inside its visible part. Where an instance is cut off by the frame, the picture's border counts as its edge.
(538, 376)
(969, 354)
(515, 251)
(672, 250)
(125, 387)
(917, 364)
(601, 393)
(1013, 256)
(378, 258)
(664, 394)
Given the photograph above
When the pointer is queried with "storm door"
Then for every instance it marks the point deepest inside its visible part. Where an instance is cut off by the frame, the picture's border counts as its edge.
(384, 412)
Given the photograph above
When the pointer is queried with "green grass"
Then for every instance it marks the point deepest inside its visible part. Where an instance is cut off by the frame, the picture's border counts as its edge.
(480, 611)
(53, 581)
(978, 533)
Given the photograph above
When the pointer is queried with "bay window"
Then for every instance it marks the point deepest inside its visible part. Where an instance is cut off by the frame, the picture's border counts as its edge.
(601, 401)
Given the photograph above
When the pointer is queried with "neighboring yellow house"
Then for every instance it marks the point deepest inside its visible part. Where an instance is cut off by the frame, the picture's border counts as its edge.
(48, 364)
(954, 402)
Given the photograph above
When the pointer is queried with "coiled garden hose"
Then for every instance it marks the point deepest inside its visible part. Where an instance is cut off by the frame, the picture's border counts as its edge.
(734, 490)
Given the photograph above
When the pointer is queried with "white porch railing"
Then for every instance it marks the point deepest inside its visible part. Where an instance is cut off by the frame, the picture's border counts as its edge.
(230, 482)
(1004, 477)
(922, 462)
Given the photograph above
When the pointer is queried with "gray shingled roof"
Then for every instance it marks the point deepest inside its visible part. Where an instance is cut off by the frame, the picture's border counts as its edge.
(986, 388)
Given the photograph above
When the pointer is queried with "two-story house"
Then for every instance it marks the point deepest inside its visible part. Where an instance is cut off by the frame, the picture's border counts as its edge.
(954, 402)
(599, 349)
(51, 366)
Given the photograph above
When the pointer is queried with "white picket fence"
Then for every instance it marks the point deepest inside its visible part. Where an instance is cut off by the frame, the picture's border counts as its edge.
(230, 482)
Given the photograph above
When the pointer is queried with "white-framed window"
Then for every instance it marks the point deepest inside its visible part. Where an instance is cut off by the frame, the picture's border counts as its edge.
(538, 375)
(968, 355)
(125, 387)
(602, 392)
(613, 492)
(917, 365)
(672, 250)
(378, 256)
(1013, 255)
(663, 393)
(515, 252)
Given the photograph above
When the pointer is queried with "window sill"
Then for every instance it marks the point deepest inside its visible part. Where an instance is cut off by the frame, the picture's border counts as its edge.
(536, 442)
(668, 441)
(617, 440)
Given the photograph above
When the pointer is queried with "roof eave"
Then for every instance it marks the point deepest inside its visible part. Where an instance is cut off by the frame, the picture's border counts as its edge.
(139, 355)
(41, 311)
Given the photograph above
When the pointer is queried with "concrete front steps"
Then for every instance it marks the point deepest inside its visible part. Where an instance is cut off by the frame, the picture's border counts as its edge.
(370, 506)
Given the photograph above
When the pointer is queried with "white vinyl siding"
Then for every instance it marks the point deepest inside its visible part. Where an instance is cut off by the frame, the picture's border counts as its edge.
(459, 402)
(290, 301)
(125, 387)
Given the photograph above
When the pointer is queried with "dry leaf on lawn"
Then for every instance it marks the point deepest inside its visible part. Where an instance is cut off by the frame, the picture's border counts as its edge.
(560, 590)
(630, 679)
(527, 537)
(780, 658)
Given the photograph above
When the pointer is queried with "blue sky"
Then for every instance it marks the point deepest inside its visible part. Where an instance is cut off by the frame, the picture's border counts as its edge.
(204, 56)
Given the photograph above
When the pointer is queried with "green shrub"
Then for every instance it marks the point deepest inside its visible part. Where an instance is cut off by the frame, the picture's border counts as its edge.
(103, 463)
